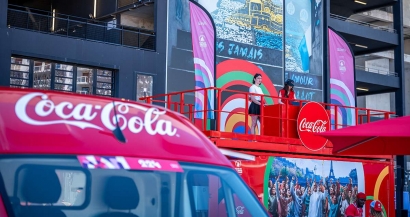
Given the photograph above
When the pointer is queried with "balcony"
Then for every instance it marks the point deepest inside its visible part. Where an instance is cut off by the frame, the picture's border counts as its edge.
(365, 38)
(347, 8)
(82, 92)
(375, 81)
(82, 80)
(80, 28)
(125, 4)
(281, 140)
(377, 71)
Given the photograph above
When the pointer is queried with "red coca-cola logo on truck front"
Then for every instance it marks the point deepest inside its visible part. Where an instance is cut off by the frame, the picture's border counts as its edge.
(312, 119)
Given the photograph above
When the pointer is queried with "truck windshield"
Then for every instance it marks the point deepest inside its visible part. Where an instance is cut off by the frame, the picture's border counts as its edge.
(57, 186)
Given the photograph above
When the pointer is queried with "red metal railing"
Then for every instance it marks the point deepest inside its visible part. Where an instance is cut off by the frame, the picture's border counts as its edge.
(183, 102)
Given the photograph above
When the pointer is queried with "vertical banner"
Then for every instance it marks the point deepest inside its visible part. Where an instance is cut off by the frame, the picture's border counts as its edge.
(342, 80)
(304, 47)
(203, 44)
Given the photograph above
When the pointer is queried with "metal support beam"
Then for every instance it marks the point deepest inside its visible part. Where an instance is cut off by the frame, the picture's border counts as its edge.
(326, 64)
(399, 98)
(5, 52)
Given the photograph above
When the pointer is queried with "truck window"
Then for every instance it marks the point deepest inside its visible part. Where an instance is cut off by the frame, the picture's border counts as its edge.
(61, 186)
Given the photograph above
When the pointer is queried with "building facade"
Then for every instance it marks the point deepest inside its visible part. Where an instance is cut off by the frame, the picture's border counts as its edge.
(134, 48)
(73, 50)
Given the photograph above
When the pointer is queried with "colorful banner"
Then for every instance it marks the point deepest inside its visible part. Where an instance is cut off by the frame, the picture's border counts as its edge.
(127, 163)
(342, 80)
(295, 187)
(203, 44)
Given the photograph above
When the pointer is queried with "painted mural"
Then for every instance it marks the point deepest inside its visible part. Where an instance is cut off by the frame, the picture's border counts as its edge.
(251, 36)
(251, 22)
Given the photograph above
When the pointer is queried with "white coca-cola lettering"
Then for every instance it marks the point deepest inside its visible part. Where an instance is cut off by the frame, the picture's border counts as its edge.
(81, 115)
(44, 108)
(317, 126)
(136, 124)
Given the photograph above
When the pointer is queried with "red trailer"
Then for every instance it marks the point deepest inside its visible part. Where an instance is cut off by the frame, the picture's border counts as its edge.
(286, 157)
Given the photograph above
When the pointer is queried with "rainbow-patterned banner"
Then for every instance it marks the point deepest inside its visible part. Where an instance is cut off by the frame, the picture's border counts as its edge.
(203, 45)
(238, 74)
(342, 80)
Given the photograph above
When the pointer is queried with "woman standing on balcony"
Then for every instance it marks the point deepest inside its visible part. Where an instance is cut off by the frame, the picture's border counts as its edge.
(287, 95)
(255, 107)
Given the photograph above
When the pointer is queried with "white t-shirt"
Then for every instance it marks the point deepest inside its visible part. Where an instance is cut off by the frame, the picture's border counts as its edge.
(256, 89)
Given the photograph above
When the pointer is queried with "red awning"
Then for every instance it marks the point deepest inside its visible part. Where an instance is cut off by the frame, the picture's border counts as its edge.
(385, 137)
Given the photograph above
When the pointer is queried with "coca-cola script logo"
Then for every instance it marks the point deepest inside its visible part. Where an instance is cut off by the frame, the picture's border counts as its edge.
(37, 109)
(312, 119)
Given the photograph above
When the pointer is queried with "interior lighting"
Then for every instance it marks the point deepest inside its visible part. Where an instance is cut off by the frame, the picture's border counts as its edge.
(363, 89)
(359, 45)
(360, 2)
(54, 20)
(95, 8)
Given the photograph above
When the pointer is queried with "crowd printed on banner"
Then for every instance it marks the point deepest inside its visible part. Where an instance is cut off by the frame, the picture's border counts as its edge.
(47, 112)
(312, 188)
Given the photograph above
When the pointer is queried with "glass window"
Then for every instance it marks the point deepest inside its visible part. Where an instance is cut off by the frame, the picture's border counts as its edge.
(84, 80)
(20, 61)
(72, 184)
(42, 75)
(61, 77)
(144, 85)
(64, 67)
(105, 82)
(62, 186)
(19, 72)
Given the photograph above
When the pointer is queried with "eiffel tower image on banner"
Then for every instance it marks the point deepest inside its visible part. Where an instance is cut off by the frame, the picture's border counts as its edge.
(331, 174)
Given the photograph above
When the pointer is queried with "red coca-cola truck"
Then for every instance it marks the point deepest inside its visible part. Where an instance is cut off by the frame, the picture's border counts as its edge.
(69, 155)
